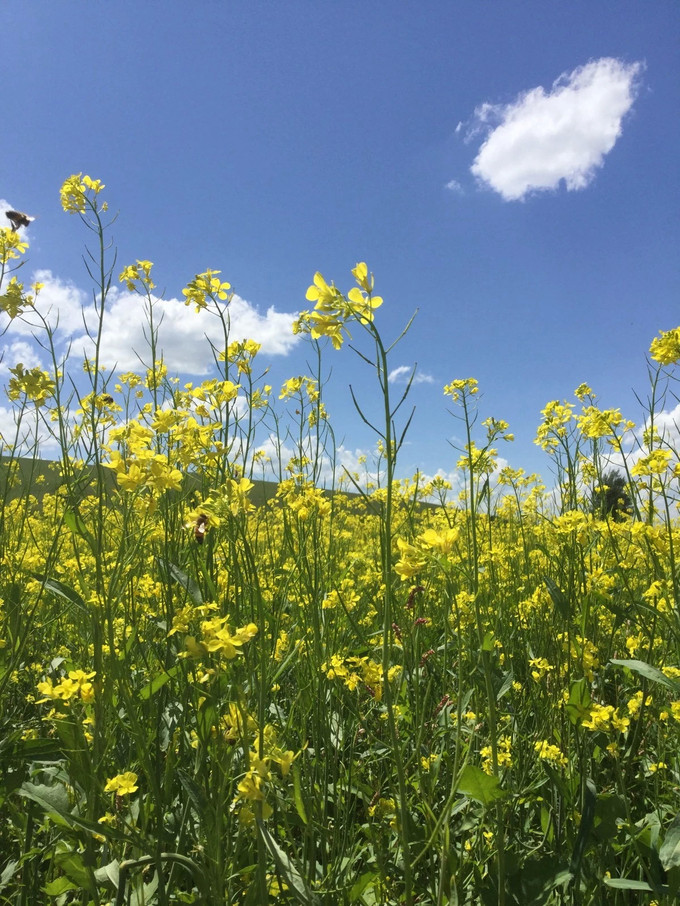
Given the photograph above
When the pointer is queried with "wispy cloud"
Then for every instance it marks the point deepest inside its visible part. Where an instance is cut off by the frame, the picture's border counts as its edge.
(454, 186)
(544, 137)
(401, 375)
(184, 335)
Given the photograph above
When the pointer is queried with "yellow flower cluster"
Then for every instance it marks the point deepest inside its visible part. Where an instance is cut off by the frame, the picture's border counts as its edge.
(354, 671)
(553, 429)
(204, 288)
(461, 389)
(219, 639)
(78, 684)
(12, 246)
(550, 753)
(241, 353)
(605, 719)
(14, 300)
(251, 790)
(122, 784)
(503, 754)
(333, 310)
(74, 193)
(139, 273)
(35, 384)
(665, 349)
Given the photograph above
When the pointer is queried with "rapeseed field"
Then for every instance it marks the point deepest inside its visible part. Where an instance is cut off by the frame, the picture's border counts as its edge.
(385, 692)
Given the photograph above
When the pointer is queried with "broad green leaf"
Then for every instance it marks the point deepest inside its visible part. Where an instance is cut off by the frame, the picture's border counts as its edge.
(609, 810)
(289, 872)
(585, 828)
(627, 884)
(669, 854)
(60, 885)
(194, 792)
(32, 750)
(538, 877)
(367, 879)
(506, 685)
(206, 719)
(108, 873)
(578, 706)
(73, 866)
(72, 737)
(55, 587)
(51, 798)
(474, 783)
(54, 799)
(187, 583)
(649, 672)
(559, 599)
(76, 524)
(158, 682)
(7, 874)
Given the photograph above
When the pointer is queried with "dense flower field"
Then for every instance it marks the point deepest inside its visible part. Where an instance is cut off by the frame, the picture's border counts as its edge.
(402, 695)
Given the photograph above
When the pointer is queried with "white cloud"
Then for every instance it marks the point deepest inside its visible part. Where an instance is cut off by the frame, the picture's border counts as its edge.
(19, 351)
(332, 474)
(182, 331)
(457, 479)
(454, 186)
(542, 138)
(27, 432)
(401, 375)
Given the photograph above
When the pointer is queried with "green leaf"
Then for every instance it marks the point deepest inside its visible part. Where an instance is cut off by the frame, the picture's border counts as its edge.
(537, 878)
(51, 798)
(474, 783)
(367, 879)
(506, 685)
(578, 706)
(32, 750)
(669, 854)
(559, 599)
(55, 587)
(585, 827)
(7, 874)
(297, 793)
(627, 884)
(206, 719)
(194, 792)
(54, 799)
(187, 583)
(649, 672)
(73, 866)
(72, 737)
(289, 872)
(60, 885)
(610, 808)
(158, 682)
(76, 524)
(108, 874)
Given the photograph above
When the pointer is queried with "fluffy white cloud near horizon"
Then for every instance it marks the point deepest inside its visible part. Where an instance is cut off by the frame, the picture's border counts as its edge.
(184, 335)
(545, 137)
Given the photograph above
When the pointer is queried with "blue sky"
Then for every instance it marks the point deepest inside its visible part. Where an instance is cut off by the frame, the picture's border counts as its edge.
(508, 169)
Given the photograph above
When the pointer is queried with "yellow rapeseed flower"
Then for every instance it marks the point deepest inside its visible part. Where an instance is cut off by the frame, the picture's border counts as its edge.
(666, 348)
(122, 784)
